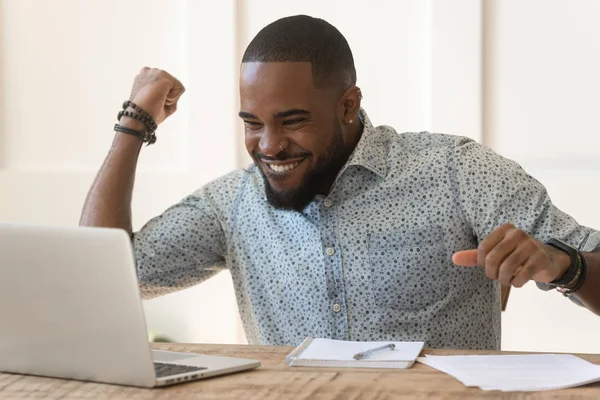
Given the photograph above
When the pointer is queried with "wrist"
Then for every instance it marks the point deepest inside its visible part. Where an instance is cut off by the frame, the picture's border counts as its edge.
(578, 280)
(132, 123)
(126, 142)
(562, 260)
(144, 124)
(566, 270)
(571, 279)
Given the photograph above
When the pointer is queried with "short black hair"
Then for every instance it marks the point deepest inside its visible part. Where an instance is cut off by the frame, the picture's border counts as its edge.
(301, 38)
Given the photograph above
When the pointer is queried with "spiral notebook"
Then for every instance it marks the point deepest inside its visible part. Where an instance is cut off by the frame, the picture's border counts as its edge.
(314, 352)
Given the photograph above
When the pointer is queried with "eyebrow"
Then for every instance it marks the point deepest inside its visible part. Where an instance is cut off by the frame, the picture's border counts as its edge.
(244, 114)
(279, 115)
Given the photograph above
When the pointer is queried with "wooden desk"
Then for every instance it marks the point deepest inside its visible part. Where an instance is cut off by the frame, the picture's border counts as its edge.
(274, 380)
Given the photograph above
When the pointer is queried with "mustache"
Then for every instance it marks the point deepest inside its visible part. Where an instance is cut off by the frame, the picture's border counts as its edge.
(281, 156)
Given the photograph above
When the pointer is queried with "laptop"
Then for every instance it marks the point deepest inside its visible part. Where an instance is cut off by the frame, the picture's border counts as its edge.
(70, 308)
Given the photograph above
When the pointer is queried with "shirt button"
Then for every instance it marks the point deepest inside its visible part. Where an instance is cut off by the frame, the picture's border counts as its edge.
(330, 251)
(337, 307)
(328, 203)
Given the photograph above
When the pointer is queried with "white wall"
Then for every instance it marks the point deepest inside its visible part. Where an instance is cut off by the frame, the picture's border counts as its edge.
(519, 76)
(541, 109)
(66, 66)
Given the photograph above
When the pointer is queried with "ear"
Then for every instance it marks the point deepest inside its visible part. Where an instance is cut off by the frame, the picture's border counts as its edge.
(350, 105)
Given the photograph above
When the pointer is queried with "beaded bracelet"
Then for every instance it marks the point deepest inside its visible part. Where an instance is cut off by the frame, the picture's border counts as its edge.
(139, 110)
(147, 137)
(149, 123)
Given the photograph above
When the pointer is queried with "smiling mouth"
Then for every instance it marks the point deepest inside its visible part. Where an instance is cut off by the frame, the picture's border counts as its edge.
(283, 168)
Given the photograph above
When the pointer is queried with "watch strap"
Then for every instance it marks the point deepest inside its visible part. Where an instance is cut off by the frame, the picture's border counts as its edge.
(579, 279)
(574, 271)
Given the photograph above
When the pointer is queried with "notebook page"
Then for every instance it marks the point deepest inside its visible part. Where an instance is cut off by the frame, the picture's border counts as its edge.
(329, 349)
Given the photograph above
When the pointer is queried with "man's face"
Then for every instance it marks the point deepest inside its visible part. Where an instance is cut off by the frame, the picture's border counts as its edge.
(292, 131)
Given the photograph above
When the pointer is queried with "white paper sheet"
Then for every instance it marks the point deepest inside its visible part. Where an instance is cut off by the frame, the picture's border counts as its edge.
(530, 372)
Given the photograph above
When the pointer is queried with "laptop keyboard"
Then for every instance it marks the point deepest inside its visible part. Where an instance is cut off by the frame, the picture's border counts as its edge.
(163, 370)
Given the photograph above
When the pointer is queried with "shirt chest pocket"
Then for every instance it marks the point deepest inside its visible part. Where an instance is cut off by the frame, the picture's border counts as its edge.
(408, 269)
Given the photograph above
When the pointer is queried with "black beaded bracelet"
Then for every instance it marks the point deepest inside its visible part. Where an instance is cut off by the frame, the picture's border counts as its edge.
(146, 137)
(138, 109)
(147, 121)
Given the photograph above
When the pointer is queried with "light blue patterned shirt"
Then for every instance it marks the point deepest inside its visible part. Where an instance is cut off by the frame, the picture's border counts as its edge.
(372, 260)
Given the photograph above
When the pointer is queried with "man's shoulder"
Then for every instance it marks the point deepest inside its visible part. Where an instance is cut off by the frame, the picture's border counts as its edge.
(221, 195)
(422, 141)
(461, 151)
(419, 144)
(230, 181)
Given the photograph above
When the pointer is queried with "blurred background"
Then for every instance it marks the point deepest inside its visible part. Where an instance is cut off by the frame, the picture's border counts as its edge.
(520, 76)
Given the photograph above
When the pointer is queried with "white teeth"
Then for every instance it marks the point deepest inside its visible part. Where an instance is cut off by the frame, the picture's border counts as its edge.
(284, 167)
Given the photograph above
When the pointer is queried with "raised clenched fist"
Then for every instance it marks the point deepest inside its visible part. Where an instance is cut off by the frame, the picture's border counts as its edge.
(156, 92)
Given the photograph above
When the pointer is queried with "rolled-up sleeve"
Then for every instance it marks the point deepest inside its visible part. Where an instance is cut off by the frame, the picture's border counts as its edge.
(495, 190)
(592, 244)
(180, 248)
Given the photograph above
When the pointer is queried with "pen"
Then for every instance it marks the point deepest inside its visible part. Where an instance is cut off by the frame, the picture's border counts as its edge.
(365, 354)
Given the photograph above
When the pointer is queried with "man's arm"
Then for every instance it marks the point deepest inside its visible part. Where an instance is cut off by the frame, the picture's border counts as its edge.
(513, 257)
(496, 194)
(108, 202)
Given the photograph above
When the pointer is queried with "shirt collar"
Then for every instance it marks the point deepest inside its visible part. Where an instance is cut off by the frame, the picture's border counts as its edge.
(371, 150)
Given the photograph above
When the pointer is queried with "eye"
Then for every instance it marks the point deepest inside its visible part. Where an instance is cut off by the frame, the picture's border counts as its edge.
(254, 125)
(295, 121)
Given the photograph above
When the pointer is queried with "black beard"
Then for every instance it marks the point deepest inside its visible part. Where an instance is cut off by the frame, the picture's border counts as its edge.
(328, 166)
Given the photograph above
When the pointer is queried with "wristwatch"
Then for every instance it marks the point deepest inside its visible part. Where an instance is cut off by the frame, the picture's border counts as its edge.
(574, 272)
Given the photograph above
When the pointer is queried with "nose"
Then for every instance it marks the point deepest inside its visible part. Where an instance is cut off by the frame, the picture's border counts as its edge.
(270, 142)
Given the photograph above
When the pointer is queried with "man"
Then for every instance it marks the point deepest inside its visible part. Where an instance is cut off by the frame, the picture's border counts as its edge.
(341, 229)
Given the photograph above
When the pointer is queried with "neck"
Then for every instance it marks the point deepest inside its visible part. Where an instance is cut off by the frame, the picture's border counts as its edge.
(354, 135)
(352, 138)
